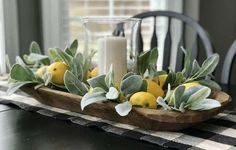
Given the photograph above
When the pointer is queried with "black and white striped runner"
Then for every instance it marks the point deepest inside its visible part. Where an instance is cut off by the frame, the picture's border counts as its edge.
(216, 133)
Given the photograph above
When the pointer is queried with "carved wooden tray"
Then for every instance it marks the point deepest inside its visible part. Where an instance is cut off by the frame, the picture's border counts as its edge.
(161, 120)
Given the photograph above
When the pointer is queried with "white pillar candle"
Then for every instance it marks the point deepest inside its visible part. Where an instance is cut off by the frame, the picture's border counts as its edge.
(112, 50)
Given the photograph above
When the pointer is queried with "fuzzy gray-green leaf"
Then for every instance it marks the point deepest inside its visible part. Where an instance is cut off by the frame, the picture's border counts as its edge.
(34, 48)
(179, 91)
(64, 57)
(109, 78)
(211, 84)
(112, 94)
(127, 75)
(131, 84)
(20, 61)
(90, 98)
(185, 71)
(208, 65)
(77, 69)
(205, 104)
(162, 102)
(98, 81)
(36, 57)
(190, 91)
(53, 54)
(47, 77)
(124, 108)
(195, 68)
(20, 73)
(74, 85)
(73, 48)
(15, 86)
(201, 94)
(143, 62)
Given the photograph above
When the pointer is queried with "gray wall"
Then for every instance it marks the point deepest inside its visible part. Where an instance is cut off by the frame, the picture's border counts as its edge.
(218, 17)
(29, 24)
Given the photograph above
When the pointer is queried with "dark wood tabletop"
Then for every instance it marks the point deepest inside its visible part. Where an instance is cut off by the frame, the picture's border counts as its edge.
(22, 130)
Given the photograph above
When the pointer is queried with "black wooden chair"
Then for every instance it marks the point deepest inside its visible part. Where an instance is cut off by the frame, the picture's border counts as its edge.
(201, 34)
(228, 62)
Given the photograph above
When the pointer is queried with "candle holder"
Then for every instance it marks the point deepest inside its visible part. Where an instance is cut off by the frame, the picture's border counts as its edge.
(114, 39)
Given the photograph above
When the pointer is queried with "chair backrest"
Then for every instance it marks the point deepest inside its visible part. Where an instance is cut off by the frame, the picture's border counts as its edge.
(228, 61)
(201, 33)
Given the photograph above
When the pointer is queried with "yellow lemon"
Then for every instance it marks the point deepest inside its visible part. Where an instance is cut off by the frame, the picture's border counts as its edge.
(154, 88)
(190, 84)
(143, 99)
(162, 79)
(94, 72)
(57, 71)
(41, 71)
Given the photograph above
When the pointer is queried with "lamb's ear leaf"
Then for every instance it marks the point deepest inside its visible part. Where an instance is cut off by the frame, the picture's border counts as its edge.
(53, 54)
(36, 57)
(73, 48)
(127, 75)
(90, 98)
(20, 61)
(109, 78)
(34, 48)
(142, 62)
(181, 107)
(208, 66)
(77, 68)
(21, 73)
(17, 85)
(98, 81)
(112, 94)
(124, 108)
(74, 85)
(47, 77)
(179, 91)
(211, 84)
(131, 84)
(153, 56)
(162, 102)
(64, 57)
(195, 68)
(185, 71)
(199, 95)
(205, 104)
(168, 94)
(190, 91)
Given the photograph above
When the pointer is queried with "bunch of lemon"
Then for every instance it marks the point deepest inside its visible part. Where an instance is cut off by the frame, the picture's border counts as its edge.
(145, 99)
(154, 89)
(57, 71)
(148, 99)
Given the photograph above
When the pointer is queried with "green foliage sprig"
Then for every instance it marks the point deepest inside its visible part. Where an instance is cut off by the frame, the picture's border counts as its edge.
(103, 87)
(193, 98)
(23, 72)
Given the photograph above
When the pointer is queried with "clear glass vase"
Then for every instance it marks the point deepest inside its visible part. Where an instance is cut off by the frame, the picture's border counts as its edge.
(114, 39)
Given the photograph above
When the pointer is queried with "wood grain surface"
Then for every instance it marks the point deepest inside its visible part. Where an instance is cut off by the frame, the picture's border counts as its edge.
(153, 119)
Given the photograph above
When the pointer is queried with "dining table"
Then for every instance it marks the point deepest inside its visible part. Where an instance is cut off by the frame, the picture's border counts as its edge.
(26, 130)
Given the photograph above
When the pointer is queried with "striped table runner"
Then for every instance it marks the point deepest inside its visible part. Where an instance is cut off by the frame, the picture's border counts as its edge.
(216, 133)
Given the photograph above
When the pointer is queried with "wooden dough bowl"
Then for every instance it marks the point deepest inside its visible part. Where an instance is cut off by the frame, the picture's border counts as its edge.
(151, 119)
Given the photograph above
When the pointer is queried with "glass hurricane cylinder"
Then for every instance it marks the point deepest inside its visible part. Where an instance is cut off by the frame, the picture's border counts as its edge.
(114, 39)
